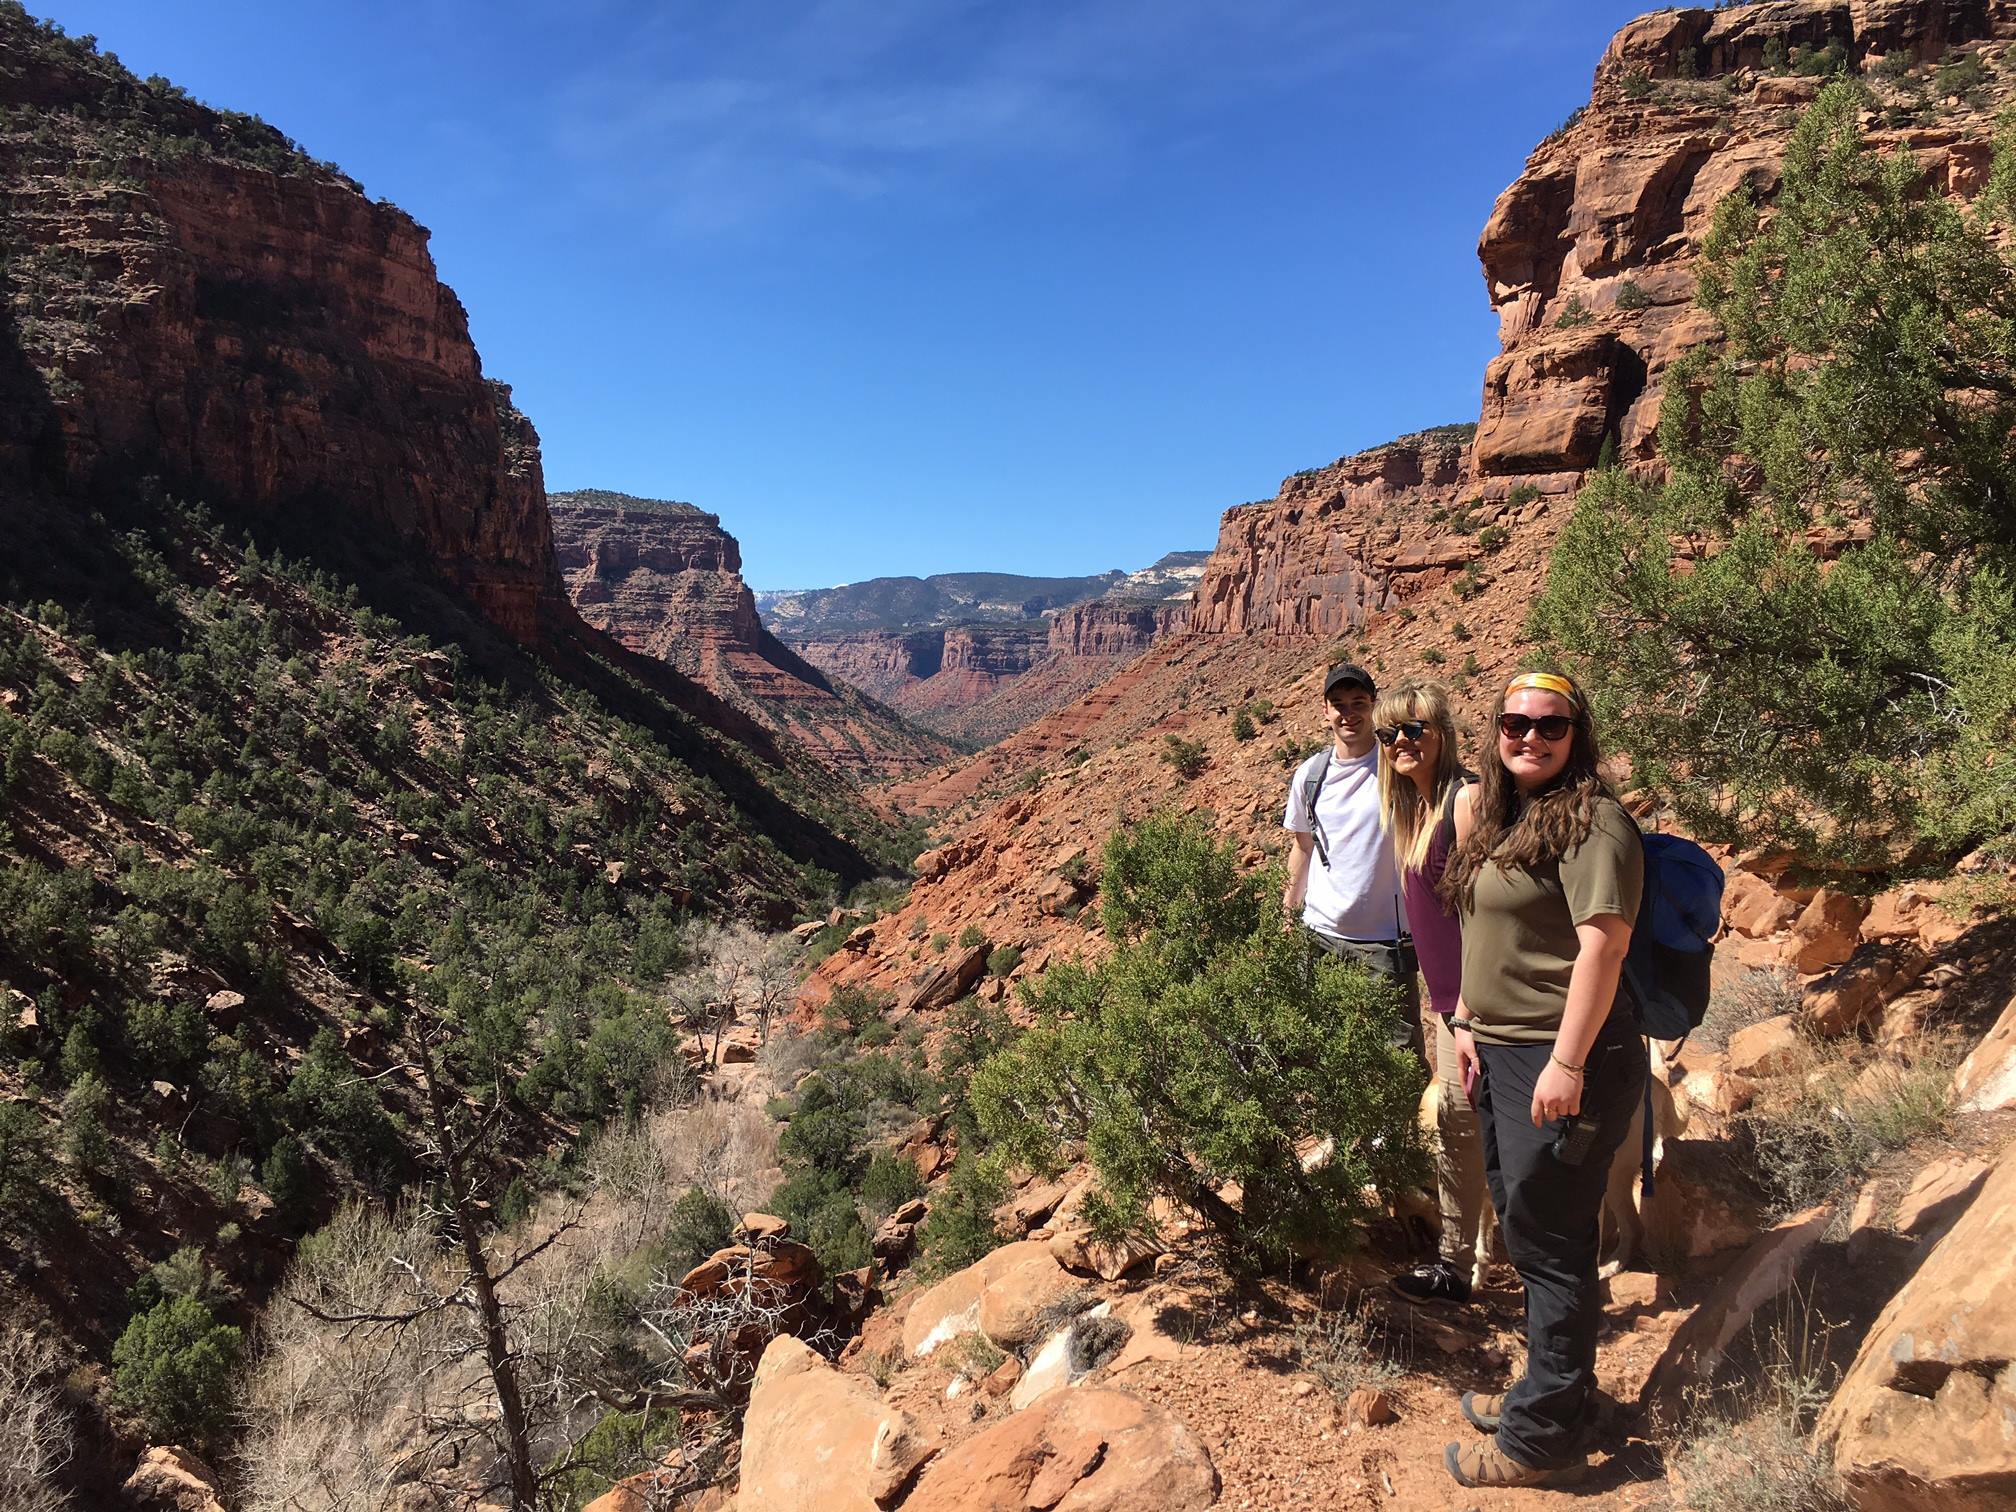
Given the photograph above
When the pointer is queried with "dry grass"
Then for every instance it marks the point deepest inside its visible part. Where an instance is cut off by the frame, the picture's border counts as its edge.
(1841, 1112)
(1749, 1448)
(1760, 993)
(1344, 1350)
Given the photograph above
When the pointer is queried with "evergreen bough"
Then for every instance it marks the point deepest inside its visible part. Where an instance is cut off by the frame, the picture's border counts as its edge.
(1211, 1046)
(1806, 635)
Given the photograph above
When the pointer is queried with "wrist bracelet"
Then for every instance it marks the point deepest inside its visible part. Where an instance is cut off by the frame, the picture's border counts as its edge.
(1462, 1023)
(1571, 1070)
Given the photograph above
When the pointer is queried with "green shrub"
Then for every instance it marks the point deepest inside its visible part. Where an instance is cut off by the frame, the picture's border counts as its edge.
(1630, 296)
(1493, 537)
(1243, 728)
(1432, 655)
(1003, 959)
(1204, 1049)
(890, 1181)
(1961, 73)
(24, 1160)
(620, 1444)
(1822, 61)
(971, 936)
(700, 1223)
(1186, 756)
(939, 943)
(961, 1228)
(173, 1368)
(1573, 313)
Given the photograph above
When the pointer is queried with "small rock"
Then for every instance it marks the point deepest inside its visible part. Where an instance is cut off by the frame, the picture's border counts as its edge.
(1002, 1379)
(763, 1228)
(1369, 1407)
(901, 1447)
(1827, 930)
(1768, 1048)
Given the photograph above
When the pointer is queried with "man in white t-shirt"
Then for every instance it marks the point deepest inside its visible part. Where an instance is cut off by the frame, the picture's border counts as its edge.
(1342, 878)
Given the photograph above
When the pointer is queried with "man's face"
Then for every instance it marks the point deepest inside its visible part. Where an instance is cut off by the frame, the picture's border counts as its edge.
(1349, 716)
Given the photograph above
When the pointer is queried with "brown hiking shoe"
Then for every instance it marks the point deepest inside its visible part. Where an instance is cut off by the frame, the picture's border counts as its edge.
(1483, 1411)
(1484, 1464)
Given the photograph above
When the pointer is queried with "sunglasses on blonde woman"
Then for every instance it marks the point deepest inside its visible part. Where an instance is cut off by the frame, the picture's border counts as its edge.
(1413, 729)
(1547, 726)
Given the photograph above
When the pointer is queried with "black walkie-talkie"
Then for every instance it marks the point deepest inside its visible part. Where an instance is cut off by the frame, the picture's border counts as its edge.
(1576, 1139)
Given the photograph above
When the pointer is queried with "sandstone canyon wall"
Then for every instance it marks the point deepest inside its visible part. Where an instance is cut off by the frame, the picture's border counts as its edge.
(197, 301)
(665, 580)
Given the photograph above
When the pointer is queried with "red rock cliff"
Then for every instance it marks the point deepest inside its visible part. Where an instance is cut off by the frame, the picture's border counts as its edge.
(197, 301)
(666, 580)
(1111, 628)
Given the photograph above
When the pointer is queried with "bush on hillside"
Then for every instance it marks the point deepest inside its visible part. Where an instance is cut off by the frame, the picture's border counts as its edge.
(1872, 681)
(1208, 1048)
(173, 1368)
(1188, 757)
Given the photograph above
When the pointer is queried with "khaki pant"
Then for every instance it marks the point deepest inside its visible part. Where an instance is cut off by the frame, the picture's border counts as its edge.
(1467, 1217)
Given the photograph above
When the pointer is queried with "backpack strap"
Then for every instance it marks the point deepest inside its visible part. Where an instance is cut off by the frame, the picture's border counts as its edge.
(1313, 792)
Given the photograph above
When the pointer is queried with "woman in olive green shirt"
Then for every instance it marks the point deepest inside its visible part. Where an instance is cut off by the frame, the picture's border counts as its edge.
(1547, 874)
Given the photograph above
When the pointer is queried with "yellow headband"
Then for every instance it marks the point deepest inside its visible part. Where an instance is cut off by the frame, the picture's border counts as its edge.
(1546, 682)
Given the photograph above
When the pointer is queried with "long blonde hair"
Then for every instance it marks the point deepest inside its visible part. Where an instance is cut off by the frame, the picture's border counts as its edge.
(1409, 818)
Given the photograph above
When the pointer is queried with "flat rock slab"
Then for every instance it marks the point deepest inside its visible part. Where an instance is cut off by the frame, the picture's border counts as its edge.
(1074, 1451)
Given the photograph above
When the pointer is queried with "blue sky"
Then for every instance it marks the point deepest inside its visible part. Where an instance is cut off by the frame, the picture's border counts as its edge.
(914, 286)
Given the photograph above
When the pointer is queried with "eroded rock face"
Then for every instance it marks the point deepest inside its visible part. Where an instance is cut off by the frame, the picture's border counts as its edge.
(249, 328)
(1587, 256)
(1922, 1419)
(666, 580)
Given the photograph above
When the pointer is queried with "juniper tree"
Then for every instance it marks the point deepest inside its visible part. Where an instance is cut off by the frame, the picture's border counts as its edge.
(1804, 632)
(1209, 1048)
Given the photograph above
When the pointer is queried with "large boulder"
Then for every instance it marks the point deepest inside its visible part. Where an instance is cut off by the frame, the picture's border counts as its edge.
(810, 1435)
(1925, 1419)
(1002, 1295)
(1986, 1081)
(171, 1479)
(946, 982)
(1076, 1451)
(1827, 930)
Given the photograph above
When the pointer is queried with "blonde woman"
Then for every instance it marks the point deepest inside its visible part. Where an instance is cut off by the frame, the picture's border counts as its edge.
(1424, 801)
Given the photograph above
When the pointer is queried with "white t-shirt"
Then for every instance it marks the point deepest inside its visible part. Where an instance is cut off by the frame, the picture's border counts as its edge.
(1357, 896)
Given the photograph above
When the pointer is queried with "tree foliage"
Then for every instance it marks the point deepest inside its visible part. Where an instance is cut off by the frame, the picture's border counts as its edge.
(1207, 1048)
(173, 1368)
(1804, 634)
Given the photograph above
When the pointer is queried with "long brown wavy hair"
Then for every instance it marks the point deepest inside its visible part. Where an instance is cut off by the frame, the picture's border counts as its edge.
(1510, 832)
(1410, 819)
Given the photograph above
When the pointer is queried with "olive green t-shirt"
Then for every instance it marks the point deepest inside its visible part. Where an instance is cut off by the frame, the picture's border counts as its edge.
(1519, 943)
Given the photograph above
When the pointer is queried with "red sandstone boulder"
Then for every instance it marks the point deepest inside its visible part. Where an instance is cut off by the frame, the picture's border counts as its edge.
(1920, 1422)
(171, 1479)
(1000, 1295)
(1827, 930)
(1986, 1080)
(1078, 1451)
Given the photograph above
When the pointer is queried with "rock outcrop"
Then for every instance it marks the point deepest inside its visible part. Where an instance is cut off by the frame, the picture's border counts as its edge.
(198, 302)
(1923, 1418)
(665, 580)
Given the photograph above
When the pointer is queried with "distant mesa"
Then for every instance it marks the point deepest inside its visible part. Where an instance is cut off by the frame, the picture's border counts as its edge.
(976, 655)
(665, 579)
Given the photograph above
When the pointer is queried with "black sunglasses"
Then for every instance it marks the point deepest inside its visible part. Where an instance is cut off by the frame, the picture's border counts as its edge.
(1547, 726)
(1413, 729)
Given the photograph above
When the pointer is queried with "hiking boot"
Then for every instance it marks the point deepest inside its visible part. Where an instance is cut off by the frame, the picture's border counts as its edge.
(1433, 1281)
(1481, 1463)
(1483, 1411)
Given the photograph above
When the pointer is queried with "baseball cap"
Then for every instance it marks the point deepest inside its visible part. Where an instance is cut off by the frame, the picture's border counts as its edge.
(1346, 675)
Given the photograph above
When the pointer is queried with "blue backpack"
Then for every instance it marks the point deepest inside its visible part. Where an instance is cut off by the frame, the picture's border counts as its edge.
(1673, 944)
(1672, 949)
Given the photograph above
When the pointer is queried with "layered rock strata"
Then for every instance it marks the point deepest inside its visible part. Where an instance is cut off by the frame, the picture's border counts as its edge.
(197, 301)
(665, 580)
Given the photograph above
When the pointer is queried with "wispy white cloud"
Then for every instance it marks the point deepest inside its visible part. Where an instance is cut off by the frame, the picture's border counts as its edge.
(732, 115)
